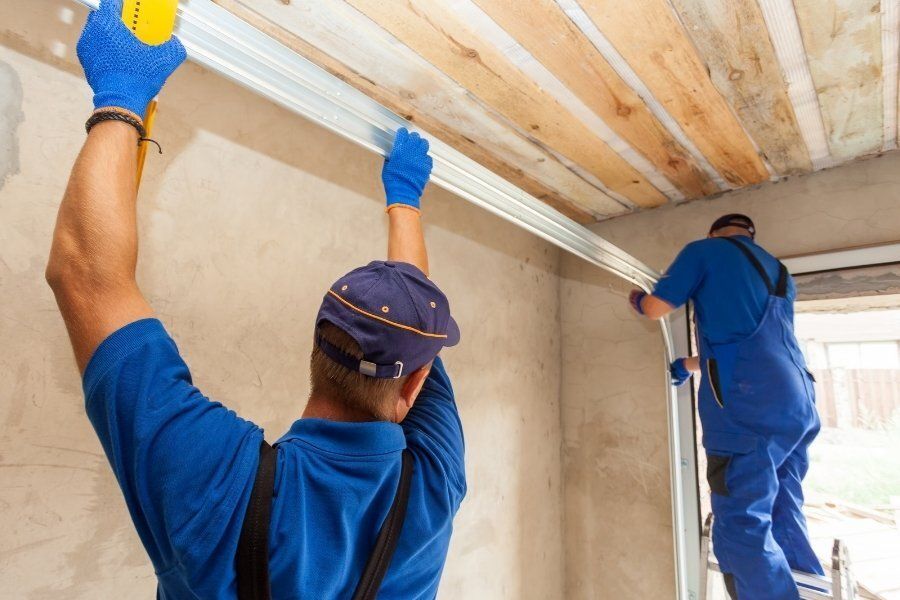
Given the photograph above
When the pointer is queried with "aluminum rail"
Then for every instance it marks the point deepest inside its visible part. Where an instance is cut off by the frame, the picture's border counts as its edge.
(222, 42)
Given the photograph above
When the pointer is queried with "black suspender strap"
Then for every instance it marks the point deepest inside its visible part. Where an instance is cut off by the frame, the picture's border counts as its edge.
(252, 560)
(781, 288)
(380, 558)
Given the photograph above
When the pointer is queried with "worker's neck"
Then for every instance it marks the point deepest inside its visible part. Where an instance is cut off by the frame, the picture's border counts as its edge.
(323, 407)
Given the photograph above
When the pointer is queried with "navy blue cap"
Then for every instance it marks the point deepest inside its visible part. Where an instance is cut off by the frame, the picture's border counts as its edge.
(734, 220)
(398, 316)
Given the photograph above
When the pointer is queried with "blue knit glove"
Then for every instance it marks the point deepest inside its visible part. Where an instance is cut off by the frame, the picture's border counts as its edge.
(679, 372)
(406, 169)
(123, 71)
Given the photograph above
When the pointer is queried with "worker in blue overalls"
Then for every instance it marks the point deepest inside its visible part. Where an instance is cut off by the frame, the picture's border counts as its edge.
(357, 499)
(757, 403)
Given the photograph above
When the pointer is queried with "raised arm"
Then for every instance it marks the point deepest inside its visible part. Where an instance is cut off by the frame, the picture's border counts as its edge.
(94, 253)
(405, 174)
(677, 285)
(649, 305)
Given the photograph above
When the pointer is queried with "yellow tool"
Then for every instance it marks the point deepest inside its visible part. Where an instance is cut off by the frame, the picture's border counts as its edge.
(152, 22)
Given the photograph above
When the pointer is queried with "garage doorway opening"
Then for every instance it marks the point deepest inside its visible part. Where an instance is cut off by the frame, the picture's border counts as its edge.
(852, 346)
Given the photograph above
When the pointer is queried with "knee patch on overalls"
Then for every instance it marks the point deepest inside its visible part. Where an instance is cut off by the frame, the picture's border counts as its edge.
(721, 448)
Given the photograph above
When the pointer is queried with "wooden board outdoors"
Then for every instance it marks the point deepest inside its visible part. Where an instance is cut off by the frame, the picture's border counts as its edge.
(648, 35)
(843, 44)
(328, 34)
(546, 32)
(734, 43)
(439, 36)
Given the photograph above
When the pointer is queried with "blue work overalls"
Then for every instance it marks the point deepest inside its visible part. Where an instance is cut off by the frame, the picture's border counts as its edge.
(757, 406)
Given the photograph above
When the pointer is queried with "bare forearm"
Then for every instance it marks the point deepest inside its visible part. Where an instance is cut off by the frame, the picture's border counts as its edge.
(692, 364)
(406, 240)
(655, 308)
(96, 230)
(94, 253)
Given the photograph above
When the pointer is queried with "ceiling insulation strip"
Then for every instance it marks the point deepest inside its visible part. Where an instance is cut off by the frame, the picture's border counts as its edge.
(217, 39)
(222, 42)
(784, 31)
(485, 27)
(890, 47)
(621, 66)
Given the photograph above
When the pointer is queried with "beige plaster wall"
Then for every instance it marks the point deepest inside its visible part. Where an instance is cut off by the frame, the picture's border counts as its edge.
(247, 218)
(618, 530)
(852, 205)
(618, 523)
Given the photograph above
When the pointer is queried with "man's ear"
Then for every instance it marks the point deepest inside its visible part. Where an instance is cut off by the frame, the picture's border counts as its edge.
(413, 385)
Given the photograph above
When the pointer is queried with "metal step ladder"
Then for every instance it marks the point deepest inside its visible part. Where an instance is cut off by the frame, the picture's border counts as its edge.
(838, 585)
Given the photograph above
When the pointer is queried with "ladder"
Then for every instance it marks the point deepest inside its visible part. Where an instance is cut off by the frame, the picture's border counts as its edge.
(839, 585)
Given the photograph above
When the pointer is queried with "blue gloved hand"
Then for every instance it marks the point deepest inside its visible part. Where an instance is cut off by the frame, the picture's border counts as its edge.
(123, 71)
(679, 372)
(635, 298)
(406, 169)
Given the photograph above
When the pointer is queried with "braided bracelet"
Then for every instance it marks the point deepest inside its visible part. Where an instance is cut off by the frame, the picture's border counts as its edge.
(114, 115)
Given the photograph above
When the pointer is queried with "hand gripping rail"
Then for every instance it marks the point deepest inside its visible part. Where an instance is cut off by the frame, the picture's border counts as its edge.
(220, 41)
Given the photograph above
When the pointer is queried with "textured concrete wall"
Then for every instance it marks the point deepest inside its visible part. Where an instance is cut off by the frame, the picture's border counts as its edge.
(247, 218)
(617, 521)
(618, 530)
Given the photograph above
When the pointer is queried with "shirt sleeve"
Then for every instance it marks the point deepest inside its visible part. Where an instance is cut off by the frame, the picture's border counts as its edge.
(433, 424)
(680, 281)
(185, 464)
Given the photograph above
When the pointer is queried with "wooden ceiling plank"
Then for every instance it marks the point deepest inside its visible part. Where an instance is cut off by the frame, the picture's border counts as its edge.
(649, 36)
(408, 86)
(543, 29)
(733, 40)
(842, 39)
(437, 34)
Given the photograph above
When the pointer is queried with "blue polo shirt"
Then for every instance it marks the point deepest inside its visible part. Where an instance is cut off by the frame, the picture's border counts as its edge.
(728, 293)
(186, 466)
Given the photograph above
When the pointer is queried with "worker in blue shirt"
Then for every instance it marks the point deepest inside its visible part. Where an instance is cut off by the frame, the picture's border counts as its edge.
(757, 403)
(381, 404)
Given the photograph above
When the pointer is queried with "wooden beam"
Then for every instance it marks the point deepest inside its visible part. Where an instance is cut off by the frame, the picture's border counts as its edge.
(436, 33)
(418, 92)
(842, 39)
(648, 35)
(733, 40)
(542, 28)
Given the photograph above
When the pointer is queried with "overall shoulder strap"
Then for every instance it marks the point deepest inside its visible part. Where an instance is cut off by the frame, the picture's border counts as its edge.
(755, 262)
(781, 287)
(380, 558)
(252, 560)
